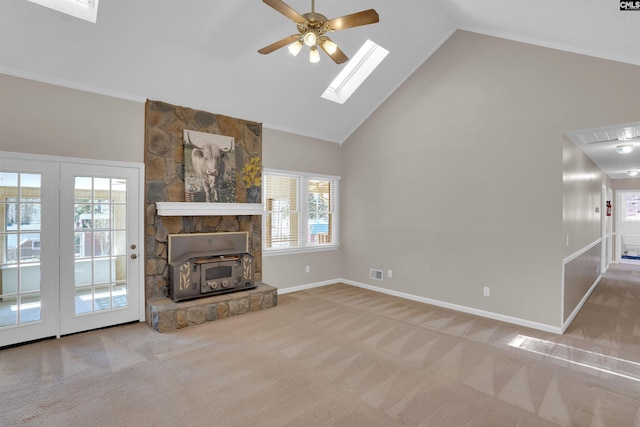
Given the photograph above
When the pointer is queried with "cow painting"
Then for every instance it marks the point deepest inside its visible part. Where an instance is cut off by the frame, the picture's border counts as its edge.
(210, 159)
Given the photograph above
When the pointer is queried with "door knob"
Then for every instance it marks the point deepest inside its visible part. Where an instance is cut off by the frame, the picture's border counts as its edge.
(134, 256)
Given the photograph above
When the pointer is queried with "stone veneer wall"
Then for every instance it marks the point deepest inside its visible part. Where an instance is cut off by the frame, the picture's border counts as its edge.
(164, 182)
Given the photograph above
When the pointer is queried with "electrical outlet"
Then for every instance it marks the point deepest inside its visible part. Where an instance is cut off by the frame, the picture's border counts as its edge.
(486, 291)
(308, 269)
(389, 274)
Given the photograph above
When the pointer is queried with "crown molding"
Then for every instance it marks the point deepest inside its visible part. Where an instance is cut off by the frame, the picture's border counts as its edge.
(557, 46)
(70, 85)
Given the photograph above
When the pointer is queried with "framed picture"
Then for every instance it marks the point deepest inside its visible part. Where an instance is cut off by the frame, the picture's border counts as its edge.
(209, 167)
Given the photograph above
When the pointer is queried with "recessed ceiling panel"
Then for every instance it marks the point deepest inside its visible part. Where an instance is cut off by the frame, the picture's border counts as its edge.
(601, 146)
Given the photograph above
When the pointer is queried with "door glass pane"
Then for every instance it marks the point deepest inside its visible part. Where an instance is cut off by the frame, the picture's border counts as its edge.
(84, 299)
(101, 189)
(101, 271)
(100, 243)
(83, 272)
(29, 277)
(103, 297)
(30, 307)
(120, 295)
(119, 271)
(79, 245)
(119, 243)
(118, 190)
(8, 313)
(20, 244)
(118, 217)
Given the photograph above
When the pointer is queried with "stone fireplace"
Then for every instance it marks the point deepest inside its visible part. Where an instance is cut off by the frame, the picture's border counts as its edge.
(164, 185)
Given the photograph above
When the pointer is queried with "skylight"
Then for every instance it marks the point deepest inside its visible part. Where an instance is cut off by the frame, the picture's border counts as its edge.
(355, 72)
(83, 9)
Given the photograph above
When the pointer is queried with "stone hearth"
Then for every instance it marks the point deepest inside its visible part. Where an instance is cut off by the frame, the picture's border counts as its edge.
(166, 315)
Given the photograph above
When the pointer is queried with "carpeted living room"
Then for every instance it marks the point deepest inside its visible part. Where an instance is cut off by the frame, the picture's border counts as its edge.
(340, 356)
(195, 229)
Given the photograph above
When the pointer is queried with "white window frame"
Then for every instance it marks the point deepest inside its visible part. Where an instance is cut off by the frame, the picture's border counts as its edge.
(624, 206)
(303, 214)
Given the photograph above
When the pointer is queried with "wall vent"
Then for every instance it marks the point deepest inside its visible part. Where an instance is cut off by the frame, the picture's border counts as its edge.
(375, 274)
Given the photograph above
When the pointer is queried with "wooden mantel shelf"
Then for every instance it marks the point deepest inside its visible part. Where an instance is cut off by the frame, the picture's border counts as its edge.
(207, 209)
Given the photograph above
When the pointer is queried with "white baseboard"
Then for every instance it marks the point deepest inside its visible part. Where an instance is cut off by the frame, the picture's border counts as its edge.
(456, 307)
(282, 291)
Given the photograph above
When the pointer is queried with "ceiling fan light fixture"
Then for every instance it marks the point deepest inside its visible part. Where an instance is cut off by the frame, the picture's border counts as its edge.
(329, 46)
(633, 173)
(310, 38)
(624, 148)
(314, 55)
(295, 47)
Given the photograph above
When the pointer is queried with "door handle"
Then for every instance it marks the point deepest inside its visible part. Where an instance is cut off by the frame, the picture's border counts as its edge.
(134, 256)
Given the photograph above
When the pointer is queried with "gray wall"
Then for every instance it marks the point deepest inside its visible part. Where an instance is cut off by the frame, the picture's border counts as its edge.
(458, 183)
(39, 118)
(281, 150)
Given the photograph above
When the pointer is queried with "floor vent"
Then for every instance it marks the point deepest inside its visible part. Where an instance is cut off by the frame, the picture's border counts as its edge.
(375, 274)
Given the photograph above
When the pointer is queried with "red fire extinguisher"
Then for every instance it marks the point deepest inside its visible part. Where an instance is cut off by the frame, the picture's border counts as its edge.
(608, 207)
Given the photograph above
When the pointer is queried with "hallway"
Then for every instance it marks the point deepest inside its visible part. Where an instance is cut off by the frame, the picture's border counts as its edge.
(610, 319)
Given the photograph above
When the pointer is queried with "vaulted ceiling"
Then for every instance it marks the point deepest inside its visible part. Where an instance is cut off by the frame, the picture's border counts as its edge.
(203, 53)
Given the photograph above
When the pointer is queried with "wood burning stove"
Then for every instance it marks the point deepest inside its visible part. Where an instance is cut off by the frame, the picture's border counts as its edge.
(206, 264)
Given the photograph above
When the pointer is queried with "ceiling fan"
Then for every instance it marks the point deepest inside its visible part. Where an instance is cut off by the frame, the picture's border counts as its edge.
(312, 28)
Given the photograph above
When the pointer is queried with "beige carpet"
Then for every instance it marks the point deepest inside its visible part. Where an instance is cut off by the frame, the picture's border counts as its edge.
(340, 356)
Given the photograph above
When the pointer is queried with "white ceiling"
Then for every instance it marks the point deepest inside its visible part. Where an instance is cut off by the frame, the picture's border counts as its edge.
(202, 53)
(600, 145)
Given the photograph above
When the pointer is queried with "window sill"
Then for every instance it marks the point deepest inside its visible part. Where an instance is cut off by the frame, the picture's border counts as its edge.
(293, 251)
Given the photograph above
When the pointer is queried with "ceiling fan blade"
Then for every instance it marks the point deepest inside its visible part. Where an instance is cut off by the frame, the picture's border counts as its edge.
(354, 20)
(280, 43)
(286, 10)
(338, 56)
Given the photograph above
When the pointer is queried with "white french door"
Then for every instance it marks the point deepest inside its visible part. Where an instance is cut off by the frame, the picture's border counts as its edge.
(69, 246)
(28, 250)
(99, 246)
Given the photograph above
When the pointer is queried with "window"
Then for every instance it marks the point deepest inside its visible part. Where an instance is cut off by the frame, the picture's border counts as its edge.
(631, 207)
(83, 9)
(368, 57)
(300, 212)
